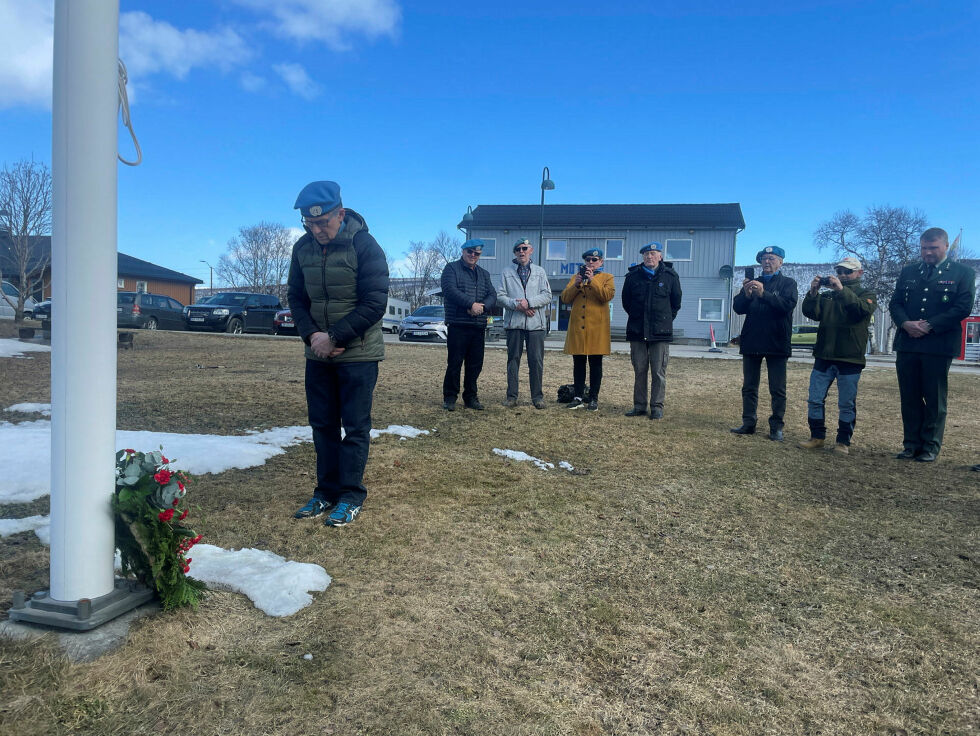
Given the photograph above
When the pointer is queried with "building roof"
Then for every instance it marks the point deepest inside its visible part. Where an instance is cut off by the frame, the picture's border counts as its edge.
(663, 216)
(125, 265)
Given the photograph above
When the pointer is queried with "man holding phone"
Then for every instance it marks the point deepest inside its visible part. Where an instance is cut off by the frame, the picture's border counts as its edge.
(767, 303)
(844, 312)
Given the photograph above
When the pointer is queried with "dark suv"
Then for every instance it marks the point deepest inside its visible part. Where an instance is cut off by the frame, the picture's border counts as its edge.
(149, 311)
(234, 312)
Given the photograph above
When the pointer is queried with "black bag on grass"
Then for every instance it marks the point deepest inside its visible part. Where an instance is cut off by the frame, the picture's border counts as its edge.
(567, 392)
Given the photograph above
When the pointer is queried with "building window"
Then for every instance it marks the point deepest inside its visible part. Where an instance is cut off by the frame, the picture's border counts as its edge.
(391, 310)
(141, 287)
(120, 283)
(489, 248)
(709, 310)
(557, 250)
(679, 250)
(614, 249)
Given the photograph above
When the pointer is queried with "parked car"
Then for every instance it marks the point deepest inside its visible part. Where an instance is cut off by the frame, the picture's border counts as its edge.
(42, 311)
(7, 311)
(234, 312)
(804, 336)
(148, 311)
(282, 323)
(425, 324)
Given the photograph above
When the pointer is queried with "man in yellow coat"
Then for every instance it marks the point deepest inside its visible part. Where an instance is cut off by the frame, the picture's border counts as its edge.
(589, 292)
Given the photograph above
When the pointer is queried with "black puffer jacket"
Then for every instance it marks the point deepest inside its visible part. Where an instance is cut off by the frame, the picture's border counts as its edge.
(462, 287)
(652, 302)
(768, 327)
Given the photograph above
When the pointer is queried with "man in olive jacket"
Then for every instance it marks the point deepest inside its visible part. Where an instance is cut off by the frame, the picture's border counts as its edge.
(338, 291)
(844, 313)
(652, 299)
(767, 303)
(931, 299)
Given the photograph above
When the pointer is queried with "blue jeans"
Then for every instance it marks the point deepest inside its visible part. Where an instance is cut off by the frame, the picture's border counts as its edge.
(847, 388)
(340, 394)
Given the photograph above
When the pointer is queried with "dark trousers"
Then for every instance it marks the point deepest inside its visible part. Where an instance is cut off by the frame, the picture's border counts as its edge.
(534, 340)
(340, 395)
(649, 358)
(465, 347)
(751, 373)
(595, 375)
(922, 386)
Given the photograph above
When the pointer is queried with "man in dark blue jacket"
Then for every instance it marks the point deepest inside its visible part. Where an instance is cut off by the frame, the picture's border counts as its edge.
(468, 295)
(767, 303)
(652, 299)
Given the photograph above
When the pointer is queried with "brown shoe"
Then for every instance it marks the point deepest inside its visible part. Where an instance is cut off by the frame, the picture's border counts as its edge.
(842, 449)
(811, 444)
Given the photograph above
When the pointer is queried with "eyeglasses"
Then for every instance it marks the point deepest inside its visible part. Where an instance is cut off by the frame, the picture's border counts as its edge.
(841, 271)
(471, 252)
(318, 224)
(592, 259)
(522, 248)
(769, 258)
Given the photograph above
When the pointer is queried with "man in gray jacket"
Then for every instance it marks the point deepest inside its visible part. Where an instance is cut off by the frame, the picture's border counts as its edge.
(525, 293)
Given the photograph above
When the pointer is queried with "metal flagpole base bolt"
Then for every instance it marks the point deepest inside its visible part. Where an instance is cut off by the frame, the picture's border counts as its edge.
(84, 614)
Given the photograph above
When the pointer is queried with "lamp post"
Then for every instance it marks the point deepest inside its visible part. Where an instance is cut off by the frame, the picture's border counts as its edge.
(211, 269)
(467, 219)
(546, 185)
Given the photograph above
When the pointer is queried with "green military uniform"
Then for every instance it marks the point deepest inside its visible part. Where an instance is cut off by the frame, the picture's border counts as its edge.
(943, 296)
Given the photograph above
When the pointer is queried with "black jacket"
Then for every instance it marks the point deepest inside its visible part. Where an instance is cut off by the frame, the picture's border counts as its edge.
(768, 327)
(943, 299)
(463, 286)
(652, 302)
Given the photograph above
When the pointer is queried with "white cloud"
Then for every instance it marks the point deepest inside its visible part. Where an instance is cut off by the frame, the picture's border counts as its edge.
(149, 46)
(253, 82)
(27, 40)
(333, 22)
(297, 80)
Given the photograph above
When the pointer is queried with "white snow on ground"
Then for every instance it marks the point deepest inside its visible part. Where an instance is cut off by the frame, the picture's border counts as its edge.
(402, 430)
(25, 460)
(10, 348)
(277, 586)
(44, 409)
(523, 457)
(27, 524)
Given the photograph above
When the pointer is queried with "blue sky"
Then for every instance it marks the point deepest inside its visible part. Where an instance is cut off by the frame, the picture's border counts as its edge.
(794, 109)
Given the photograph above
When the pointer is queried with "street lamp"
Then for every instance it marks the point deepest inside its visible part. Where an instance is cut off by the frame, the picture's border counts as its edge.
(546, 184)
(211, 269)
(467, 219)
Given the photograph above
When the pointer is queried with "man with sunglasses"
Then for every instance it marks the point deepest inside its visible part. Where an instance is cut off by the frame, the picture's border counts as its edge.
(844, 312)
(931, 298)
(767, 303)
(525, 292)
(338, 291)
(468, 296)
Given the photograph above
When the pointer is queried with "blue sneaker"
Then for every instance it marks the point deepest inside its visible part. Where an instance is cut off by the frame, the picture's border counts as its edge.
(343, 514)
(314, 507)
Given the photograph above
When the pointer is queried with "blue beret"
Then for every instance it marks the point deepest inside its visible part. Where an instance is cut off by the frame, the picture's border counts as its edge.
(652, 246)
(474, 244)
(593, 253)
(318, 198)
(522, 241)
(770, 250)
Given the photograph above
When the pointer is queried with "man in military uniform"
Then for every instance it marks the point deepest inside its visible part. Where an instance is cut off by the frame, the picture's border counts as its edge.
(338, 291)
(931, 298)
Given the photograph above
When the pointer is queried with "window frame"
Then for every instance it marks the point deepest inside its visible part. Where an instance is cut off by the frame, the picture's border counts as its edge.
(547, 249)
(483, 255)
(721, 310)
(668, 257)
(622, 253)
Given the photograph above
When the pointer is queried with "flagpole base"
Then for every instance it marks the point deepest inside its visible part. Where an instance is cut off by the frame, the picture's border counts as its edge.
(84, 614)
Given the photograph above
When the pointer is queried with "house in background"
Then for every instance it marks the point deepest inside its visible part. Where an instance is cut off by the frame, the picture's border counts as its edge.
(132, 274)
(699, 241)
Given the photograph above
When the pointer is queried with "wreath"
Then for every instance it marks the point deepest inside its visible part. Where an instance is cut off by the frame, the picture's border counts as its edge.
(151, 534)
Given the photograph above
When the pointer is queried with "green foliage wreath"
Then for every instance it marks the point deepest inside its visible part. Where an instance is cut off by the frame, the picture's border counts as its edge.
(151, 535)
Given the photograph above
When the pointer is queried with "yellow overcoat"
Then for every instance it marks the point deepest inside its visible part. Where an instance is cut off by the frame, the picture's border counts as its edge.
(588, 323)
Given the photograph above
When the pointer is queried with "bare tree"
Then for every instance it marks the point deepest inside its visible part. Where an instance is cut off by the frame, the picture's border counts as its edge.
(25, 215)
(258, 259)
(448, 247)
(421, 274)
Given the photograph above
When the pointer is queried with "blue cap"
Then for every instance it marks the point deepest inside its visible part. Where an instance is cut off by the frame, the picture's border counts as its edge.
(474, 244)
(770, 250)
(593, 253)
(652, 246)
(318, 198)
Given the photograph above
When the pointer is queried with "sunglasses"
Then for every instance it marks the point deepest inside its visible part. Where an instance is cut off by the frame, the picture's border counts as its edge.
(522, 248)
(471, 252)
(591, 259)
(841, 271)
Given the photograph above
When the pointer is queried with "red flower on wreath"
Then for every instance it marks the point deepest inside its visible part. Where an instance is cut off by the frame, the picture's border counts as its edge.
(182, 516)
(166, 515)
(164, 460)
(163, 477)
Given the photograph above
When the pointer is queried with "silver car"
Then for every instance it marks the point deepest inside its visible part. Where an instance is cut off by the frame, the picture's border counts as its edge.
(6, 310)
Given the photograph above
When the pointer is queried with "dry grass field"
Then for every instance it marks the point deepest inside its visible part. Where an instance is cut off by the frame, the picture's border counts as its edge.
(686, 581)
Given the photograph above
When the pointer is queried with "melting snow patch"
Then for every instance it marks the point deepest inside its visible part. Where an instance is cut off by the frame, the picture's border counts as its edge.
(565, 465)
(27, 524)
(402, 430)
(44, 409)
(277, 586)
(15, 348)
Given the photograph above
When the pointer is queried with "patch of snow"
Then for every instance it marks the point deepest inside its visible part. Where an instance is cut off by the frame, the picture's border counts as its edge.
(10, 348)
(523, 457)
(308, 657)
(276, 586)
(26, 408)
(565, 465)
(26, 524)
(25, 460)
(402, 430)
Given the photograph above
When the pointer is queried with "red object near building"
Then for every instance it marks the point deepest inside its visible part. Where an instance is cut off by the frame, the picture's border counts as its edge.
(970, 339)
